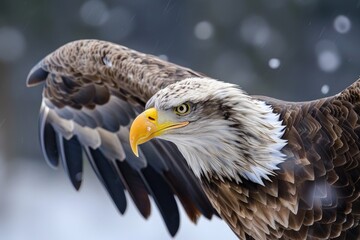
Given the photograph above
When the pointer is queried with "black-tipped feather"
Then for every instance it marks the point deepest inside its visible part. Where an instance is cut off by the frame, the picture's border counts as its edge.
(153, 156)
(178, 176)
(135, 186)
(164, 198)
(71, 156)
(107, 173)
(48, 141)
(181, 179)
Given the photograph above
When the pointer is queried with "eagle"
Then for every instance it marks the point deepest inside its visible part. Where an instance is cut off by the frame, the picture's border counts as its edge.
(270, 169)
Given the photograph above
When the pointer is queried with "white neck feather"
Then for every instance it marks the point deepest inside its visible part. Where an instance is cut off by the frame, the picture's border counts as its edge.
(251, 151)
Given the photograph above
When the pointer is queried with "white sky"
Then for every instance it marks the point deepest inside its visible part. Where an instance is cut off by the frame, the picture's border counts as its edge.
(38, 203)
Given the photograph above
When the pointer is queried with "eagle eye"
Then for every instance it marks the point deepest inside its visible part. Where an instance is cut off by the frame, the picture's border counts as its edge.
(182, 109)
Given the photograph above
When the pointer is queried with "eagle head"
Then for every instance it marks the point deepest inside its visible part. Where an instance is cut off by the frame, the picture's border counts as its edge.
(217, 127)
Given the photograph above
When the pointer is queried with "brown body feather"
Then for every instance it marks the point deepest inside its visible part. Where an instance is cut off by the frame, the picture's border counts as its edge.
(314, 194)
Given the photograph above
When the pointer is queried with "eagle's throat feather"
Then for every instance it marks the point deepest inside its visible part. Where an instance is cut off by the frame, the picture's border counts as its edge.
(242, 139)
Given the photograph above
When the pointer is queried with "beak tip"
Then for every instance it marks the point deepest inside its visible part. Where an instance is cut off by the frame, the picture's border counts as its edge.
(136, 153)
(135, 150)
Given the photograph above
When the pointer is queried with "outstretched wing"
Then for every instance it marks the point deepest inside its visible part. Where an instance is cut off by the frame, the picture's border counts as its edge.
(93, 90)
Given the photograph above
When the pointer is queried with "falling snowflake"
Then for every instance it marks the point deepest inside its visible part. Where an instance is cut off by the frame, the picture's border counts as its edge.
(328, 56)
(204, 30)
(325, 89)
(274, 63)
(342, 24)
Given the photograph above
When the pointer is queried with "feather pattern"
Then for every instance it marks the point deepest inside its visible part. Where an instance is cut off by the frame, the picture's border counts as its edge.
(94, 89)
(315, 192)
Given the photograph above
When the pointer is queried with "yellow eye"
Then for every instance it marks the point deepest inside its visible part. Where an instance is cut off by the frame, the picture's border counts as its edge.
(182, 109)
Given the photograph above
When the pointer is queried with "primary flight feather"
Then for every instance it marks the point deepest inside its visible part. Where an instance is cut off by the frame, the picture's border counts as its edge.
(271, 169)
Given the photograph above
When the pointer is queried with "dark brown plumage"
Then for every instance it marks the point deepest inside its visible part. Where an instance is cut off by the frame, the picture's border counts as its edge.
(78, 78)
(101, 86)
(315, 194)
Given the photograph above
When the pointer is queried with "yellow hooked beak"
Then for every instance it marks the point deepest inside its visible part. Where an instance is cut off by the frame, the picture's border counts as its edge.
(146, 126)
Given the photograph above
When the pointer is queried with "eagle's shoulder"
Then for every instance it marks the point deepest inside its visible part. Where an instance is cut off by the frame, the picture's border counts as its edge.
(315, 191)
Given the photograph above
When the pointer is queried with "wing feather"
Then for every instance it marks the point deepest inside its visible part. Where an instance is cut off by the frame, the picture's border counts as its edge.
(180, 180)
(107, 173)
(93, 90)
(163, 197)
(71, 157)
(135, 186)
(48, 146)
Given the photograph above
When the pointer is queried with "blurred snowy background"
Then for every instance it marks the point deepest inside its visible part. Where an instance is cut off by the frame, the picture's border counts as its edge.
(289, 49)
